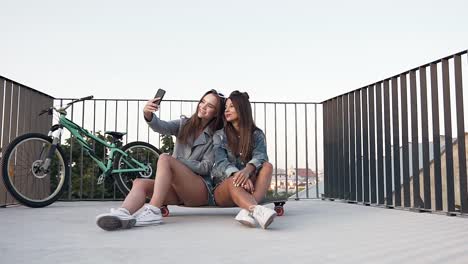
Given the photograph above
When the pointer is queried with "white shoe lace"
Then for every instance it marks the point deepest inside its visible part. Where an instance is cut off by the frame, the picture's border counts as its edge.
(259, 212)
(146, 212)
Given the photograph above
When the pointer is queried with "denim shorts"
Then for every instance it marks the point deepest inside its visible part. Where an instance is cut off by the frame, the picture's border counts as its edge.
(209, 187)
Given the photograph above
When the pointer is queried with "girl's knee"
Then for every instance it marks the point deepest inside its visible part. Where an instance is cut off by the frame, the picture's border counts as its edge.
(164, 158)
(137, 183)
(267, 167)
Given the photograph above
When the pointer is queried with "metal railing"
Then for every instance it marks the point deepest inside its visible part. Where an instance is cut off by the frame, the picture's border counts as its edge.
(19, 106)
(377, 138)
(289, 128)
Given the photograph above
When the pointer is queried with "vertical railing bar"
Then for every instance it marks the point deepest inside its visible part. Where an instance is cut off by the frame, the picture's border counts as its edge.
(264, 120)
(460, 134)
(372, 153)
(297, 155)
(325, 151)
(334, 152)
(159, 134)
(93, 178)
(415, 141)
(115, 129)
(126, 125)
(286, 146)
(448, 137)
(255, 112)
(396, 142)
(70, 161)
(340, 159)
(425, 138)
(276, 154)
(346, 147)
(388, 149)
(329, 182)
(316, 155)
(352, 139)
(138, 120)
(365, 140)
(103, 185)
(116, 113)
(358, 185)
(82, 153)
(404, 138)
(380, 159)
(306, 151)
(436, 137)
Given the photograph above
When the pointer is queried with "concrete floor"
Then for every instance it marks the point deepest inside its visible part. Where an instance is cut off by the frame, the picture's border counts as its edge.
(311, 231)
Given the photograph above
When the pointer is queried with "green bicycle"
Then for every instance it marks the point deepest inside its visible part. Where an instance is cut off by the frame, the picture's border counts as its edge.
(36, 172)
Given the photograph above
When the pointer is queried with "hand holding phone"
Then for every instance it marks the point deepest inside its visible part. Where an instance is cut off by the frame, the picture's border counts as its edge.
(159, 94)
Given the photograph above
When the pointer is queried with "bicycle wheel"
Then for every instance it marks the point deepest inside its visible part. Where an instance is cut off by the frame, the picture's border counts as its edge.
(142, 152)
(22, 173)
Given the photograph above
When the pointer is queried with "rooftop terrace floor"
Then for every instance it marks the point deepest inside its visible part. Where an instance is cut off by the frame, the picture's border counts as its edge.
(311, 231)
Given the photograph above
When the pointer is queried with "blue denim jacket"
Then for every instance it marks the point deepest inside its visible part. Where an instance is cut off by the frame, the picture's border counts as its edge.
(198, 154)
(226, 162)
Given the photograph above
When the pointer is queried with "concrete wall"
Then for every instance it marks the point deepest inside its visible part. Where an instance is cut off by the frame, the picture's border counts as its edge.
(444, 179)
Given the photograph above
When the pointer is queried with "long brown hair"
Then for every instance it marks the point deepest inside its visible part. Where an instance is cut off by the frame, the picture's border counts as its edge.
(194, 123)
(243, 145)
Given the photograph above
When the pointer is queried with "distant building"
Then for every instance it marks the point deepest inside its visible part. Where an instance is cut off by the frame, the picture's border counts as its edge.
(304, 176)
(281, 178)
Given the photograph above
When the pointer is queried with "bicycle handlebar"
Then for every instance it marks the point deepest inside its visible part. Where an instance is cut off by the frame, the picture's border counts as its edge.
(62, 110)
(81, 99)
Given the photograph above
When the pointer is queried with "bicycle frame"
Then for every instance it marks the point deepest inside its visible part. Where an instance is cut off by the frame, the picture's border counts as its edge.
(77, 131)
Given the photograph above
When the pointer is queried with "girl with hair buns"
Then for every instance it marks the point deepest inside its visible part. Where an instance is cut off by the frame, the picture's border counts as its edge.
(242, 173)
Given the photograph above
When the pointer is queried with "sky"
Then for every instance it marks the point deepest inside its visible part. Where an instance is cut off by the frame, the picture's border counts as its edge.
(305, 51)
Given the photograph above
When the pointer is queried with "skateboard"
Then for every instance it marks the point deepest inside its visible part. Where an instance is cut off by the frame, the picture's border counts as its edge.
(279, 207)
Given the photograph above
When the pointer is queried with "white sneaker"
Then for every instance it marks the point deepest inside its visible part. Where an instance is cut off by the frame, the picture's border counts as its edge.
(245, 217)
(263, 215)
(151, 215)
(116, 219)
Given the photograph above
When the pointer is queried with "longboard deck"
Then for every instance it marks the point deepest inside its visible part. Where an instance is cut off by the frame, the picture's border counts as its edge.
(279, 207)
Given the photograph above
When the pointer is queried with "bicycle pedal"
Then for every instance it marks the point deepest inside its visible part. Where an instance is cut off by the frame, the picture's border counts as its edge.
(101, 179)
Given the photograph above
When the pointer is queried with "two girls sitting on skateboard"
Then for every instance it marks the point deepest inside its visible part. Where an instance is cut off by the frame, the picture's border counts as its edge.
(185, 177)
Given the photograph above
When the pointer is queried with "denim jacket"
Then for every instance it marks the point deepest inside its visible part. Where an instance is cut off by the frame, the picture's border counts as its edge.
(197, 154)
(226, 162)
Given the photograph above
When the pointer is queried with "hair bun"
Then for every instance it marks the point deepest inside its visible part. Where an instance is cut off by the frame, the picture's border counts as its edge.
(237, 93)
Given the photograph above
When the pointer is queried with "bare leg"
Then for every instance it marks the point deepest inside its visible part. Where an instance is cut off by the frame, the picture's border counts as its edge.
(262, 181)
(189, 187)
(142, 189)
(226, 195)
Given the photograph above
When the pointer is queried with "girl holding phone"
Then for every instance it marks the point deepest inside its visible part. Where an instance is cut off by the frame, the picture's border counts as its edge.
(242, 173)
(184, 177)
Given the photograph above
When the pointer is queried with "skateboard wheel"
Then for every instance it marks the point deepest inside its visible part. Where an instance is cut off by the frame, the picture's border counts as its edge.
(164, 211)
(279, 210)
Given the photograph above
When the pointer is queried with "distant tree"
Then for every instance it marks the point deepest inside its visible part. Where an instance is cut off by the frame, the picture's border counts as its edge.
(272, 196)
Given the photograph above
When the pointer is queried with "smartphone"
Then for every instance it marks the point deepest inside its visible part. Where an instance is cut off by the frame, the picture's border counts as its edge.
(160, 93)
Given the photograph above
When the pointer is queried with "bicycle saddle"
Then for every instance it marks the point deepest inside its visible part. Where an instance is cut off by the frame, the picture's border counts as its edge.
(115, 135)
